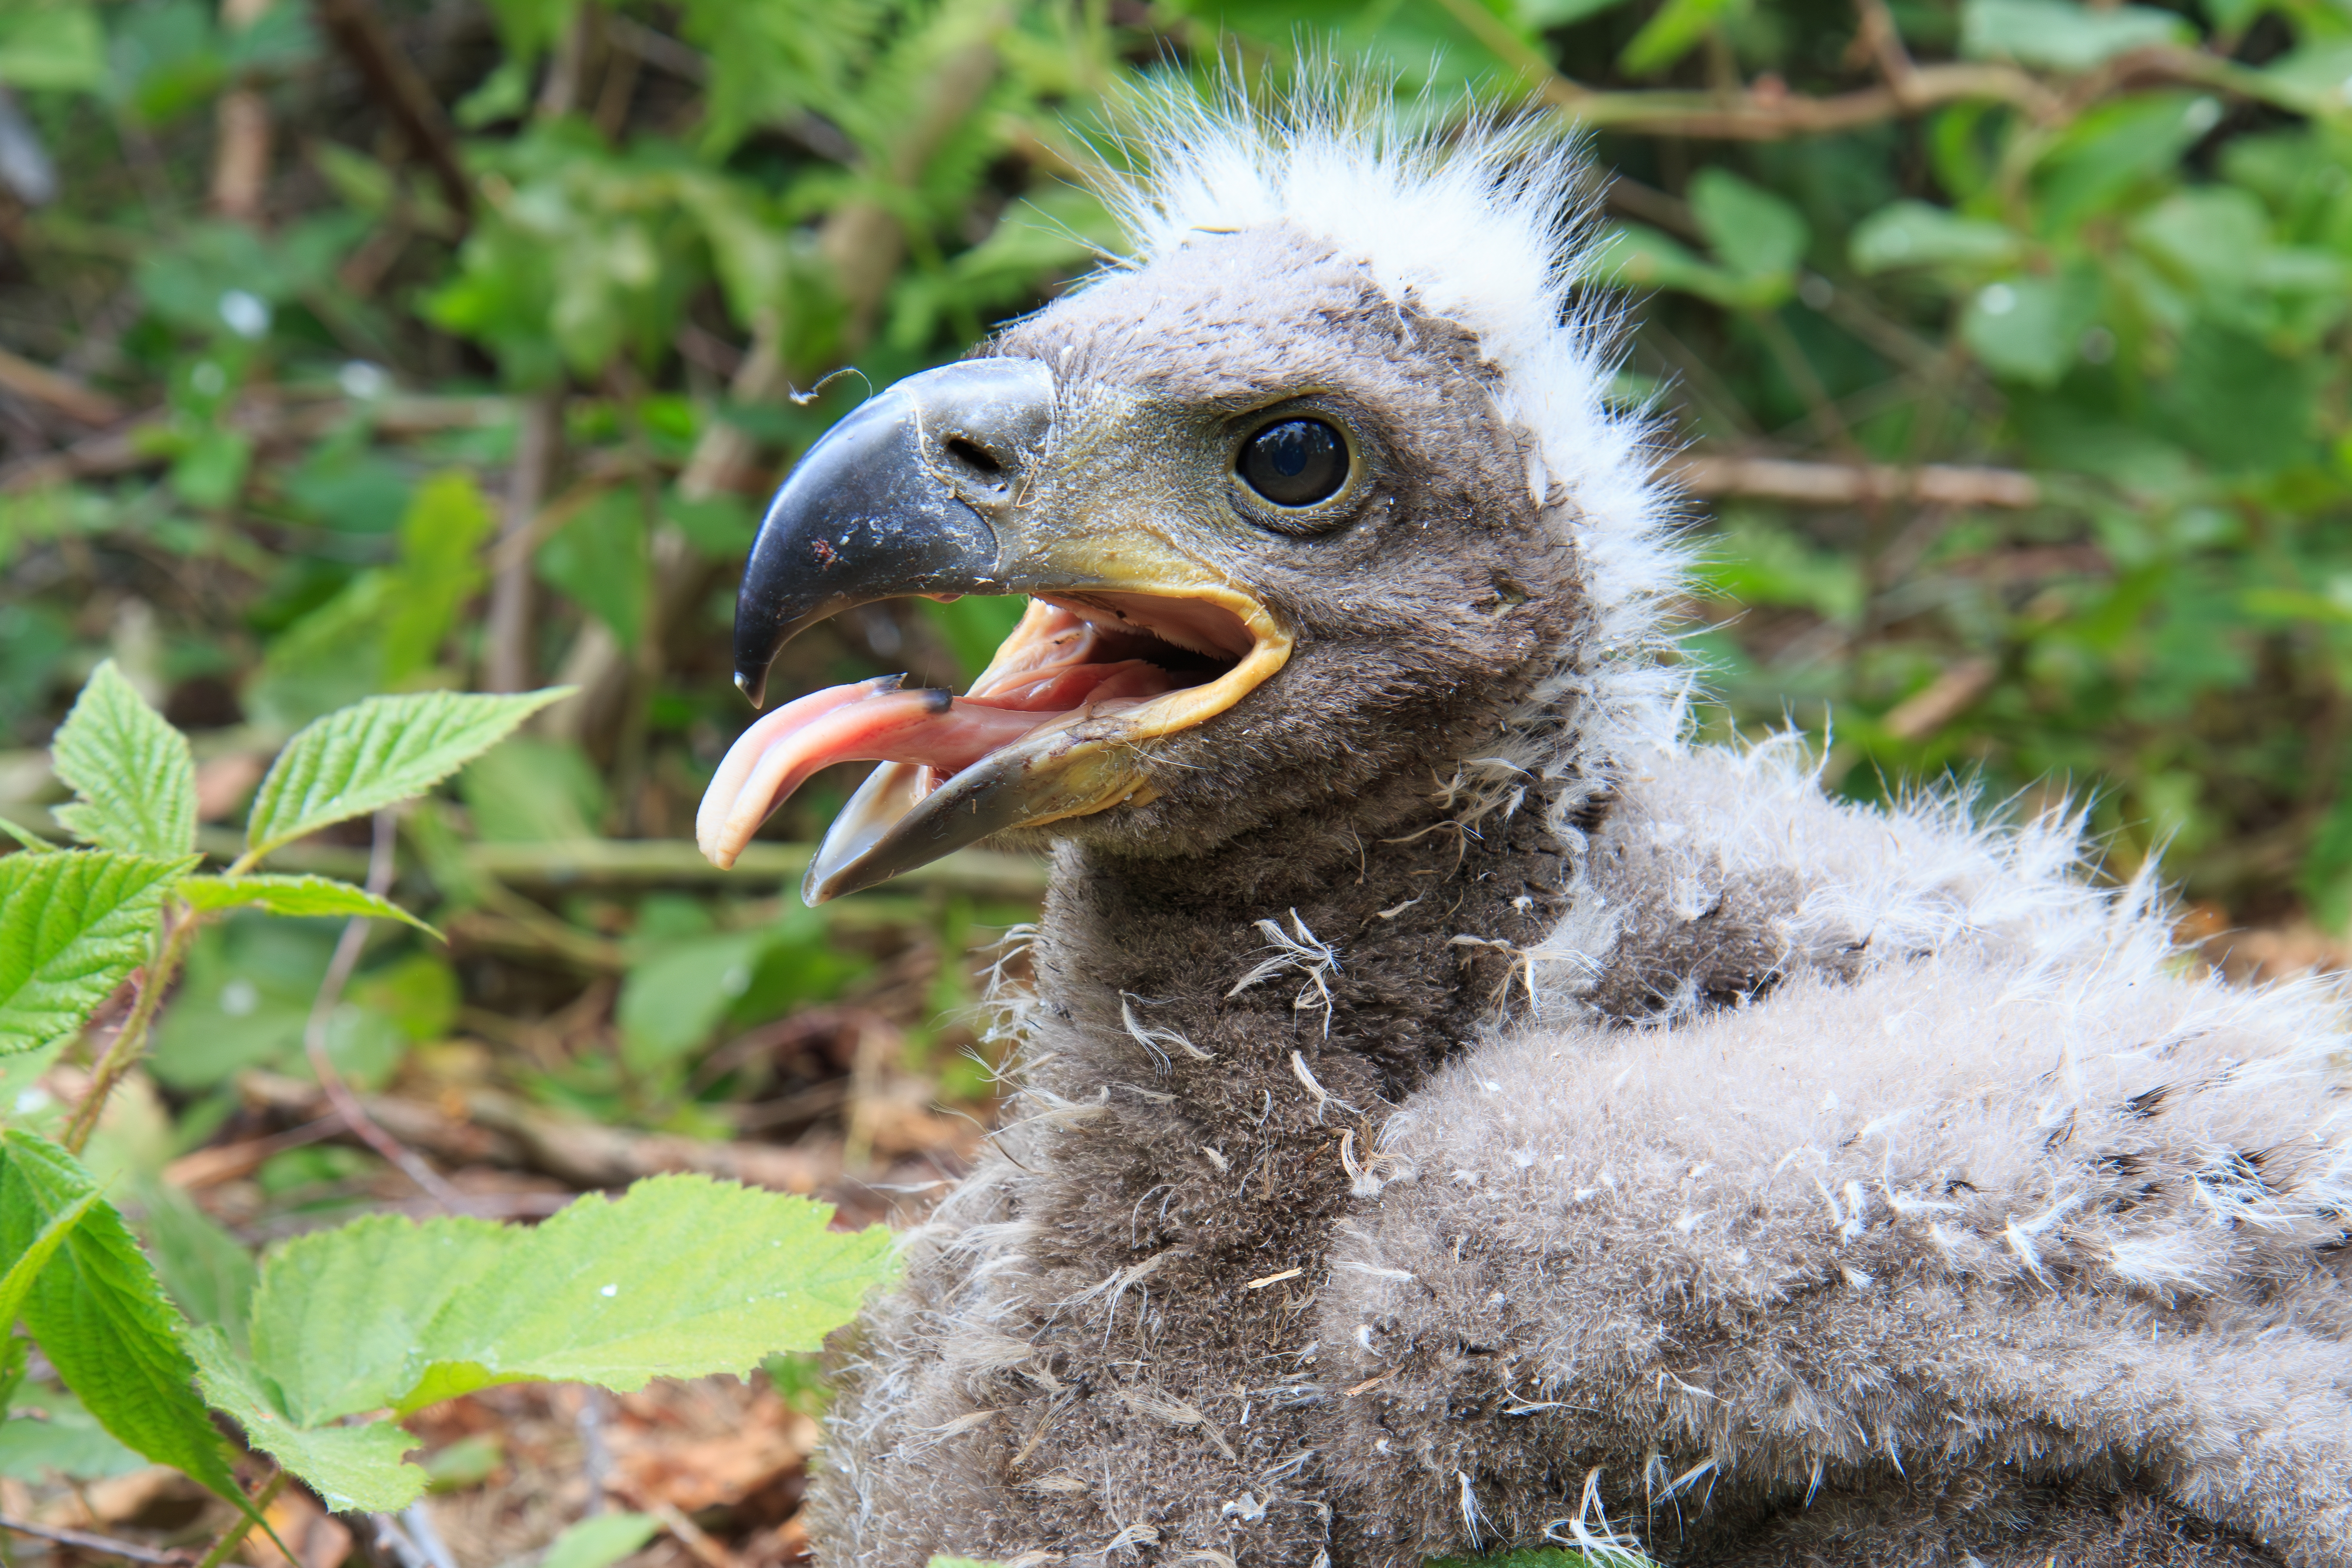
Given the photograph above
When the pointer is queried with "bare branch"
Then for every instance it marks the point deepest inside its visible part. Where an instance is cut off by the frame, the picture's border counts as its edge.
(1849, 484)
(105, 1545)
(402, 94)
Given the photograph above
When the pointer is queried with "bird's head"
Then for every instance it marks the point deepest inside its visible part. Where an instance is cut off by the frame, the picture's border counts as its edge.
(1293, 519)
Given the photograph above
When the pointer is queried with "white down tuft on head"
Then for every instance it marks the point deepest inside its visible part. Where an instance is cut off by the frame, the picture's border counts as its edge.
(1486, 225)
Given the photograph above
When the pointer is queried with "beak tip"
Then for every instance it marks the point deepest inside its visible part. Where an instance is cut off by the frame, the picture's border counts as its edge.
(755, 688)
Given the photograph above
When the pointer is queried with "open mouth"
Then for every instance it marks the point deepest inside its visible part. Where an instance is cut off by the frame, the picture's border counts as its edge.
(1047, 731)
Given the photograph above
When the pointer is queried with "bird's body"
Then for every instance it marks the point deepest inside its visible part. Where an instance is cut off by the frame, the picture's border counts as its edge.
(1452, 1113)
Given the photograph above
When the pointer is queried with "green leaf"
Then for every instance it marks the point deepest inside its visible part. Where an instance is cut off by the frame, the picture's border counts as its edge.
(78, 925)
(293, 895)
(62, 1440)
(203, 1269)
(447, 521)
(2240, 406)
(1916, 233)
(670, 1002)
(2062, 37)
(59, 46)
(2325, 876)
(2319, 73)
(376, 752)
(600, 1542)
(598, 561)
(681, 1277)
(531, 791)
(1634, 256)
(1753, 232)
(350, 1467)
(2025, 327)
(134, 772)
(102, 1319)
(1541, 15)
(1673, 32)
(17, 1283)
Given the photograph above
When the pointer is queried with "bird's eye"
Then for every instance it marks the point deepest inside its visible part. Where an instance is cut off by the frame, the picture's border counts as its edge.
(1296, 462)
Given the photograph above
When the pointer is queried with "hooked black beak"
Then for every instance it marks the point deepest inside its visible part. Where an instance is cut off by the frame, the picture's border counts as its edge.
(901, 498)
(959, 481)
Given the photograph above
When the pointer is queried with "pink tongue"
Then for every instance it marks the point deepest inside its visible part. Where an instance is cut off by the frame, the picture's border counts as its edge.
(873, 721)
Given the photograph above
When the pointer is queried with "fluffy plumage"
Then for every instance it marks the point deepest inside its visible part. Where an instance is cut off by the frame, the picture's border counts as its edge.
(1523, 1127)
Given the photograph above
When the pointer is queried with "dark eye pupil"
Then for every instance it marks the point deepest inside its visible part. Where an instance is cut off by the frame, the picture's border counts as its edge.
(1296, 463)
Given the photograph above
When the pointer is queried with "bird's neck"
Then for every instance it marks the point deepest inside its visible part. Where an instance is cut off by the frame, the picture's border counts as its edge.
(1233, 1017)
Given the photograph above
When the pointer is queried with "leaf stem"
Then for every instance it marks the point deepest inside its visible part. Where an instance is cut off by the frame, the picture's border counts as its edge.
(234, 1536)
(129, 1043)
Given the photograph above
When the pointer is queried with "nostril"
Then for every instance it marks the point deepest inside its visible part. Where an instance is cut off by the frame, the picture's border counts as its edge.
(975, 456)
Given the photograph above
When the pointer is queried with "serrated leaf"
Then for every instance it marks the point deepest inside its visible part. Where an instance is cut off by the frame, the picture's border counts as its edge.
(600, 1542)
(17, 1283)
(375, 753)
(362, 1466)
(604, 1292)
(133, 773)
(102, 1319)
(293, 896)
(341, 1318)
(77, 927)
(680, 1276)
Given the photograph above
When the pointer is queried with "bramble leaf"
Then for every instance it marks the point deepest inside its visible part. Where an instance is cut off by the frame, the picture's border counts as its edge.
(77, 927)
(350, 1466)
(101, 1317)
(376, 752)
(681, 1277)
(134, 772)
(17, 1283)
(293, 895)
(600, 1542)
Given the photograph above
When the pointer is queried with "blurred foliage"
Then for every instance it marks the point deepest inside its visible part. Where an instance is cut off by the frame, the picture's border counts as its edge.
(301, 383)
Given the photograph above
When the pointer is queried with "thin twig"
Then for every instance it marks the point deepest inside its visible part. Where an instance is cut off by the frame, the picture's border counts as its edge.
(595, 1453)
(402, 93)
(394, 1543)
(419, 1526)
(82, 1541)
(506, 661)
(323, 1011)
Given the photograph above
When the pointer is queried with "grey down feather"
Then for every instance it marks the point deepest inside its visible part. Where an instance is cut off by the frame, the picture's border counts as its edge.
(1793, 1183)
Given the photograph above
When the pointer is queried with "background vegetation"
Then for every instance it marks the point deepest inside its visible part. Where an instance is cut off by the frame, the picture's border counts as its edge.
(357, 346)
